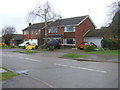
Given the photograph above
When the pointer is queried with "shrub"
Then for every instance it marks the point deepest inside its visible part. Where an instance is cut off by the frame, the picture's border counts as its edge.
(23, 47)
(3, 45)
(89, 48)
(109, 44)
(36, 47)
(51, 48)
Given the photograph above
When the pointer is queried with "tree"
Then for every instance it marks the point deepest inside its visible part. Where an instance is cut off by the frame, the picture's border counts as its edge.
(115, 15)
(44, 12)
(7, 33)
(115, 25)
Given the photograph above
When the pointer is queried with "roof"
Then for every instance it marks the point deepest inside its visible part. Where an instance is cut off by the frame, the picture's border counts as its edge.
(18, 36)
(69, 21)
(60, 22)
(97, 33)
(35, 26)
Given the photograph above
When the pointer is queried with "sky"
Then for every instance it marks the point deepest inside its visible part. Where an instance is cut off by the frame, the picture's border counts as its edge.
(14, 12)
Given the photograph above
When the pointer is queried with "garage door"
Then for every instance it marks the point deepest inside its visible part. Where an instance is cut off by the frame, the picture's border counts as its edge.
(96, 40)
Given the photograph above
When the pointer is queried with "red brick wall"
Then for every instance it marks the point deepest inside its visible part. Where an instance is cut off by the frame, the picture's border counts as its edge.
(69, 35)
(26, 36)
(61, 30)
(81, 29)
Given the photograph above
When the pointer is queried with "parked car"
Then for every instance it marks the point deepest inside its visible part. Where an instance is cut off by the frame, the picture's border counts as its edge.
(55, 43)
(81, 46)
(29, 42)
(31, 47)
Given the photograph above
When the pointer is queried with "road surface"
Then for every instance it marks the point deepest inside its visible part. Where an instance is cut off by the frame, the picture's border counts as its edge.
(51, 72)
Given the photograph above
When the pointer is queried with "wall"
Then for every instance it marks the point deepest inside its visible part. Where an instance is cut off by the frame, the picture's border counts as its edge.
(82, 29)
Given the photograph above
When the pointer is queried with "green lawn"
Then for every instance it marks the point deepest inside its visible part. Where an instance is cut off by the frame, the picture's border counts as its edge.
(105, 52)
(73, 56)
(27, 51)
(7, 75)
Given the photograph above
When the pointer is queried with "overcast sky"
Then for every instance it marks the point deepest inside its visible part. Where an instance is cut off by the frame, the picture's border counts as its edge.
(14, 12)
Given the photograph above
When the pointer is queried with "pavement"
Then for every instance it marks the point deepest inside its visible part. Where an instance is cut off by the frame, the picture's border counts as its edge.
(90, 57)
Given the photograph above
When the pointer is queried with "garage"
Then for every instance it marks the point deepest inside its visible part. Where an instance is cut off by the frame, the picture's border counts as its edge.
(95, 40)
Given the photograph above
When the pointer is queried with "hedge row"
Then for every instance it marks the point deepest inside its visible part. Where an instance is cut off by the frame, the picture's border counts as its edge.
(110, 44)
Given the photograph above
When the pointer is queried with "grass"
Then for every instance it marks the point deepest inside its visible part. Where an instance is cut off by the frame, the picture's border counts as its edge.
(105, 52)
(27, 51)
(7, 75)
(73, 56)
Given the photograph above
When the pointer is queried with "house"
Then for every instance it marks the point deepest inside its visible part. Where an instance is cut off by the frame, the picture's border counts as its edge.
(35, 32)
(16, 40)
(97, 35)
(69, 31)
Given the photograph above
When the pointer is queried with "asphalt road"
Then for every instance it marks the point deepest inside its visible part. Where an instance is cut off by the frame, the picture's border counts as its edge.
(51, 72)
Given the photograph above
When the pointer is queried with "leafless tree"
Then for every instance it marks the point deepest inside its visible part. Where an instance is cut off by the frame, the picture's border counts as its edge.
(115, 19)
(45, 13)
(8, 30)
(7, 33)
(113, 9)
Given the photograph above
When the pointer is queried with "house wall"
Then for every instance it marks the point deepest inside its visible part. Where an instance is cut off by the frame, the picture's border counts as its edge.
(38, 37)
(69, 35)
(82, 29)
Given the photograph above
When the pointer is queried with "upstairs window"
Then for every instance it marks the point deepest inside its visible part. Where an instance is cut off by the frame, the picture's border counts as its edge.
(52, 30)
(26, 32)
(69, 29)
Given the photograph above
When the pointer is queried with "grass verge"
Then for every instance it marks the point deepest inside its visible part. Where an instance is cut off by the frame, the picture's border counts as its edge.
(73, 56)
(27, 51)
(7, 75)
(105, 52)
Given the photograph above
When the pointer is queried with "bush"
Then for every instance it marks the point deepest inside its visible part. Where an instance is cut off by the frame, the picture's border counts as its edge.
(89, 48)
(51, 48)
(3, 45)
(109, 44)
(36, 47)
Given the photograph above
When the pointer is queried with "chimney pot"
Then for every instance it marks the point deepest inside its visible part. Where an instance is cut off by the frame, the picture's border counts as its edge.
(30, 24)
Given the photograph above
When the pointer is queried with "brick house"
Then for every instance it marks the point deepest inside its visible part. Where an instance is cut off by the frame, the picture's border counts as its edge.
(34, 32)
(69, 31)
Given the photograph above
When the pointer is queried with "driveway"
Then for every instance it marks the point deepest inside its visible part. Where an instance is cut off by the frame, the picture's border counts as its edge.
(41, 71)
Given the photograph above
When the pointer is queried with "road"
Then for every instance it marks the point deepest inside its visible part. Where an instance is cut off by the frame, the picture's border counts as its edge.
(51, 72)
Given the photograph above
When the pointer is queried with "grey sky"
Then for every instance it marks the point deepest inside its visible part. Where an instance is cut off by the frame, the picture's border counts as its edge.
(13, 12)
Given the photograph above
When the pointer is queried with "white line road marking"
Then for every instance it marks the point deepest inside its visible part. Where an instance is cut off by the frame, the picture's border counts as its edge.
(80, 68)
(23, 58)
(30, 59)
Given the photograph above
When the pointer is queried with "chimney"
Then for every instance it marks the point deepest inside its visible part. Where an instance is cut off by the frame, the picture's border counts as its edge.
(30, 24)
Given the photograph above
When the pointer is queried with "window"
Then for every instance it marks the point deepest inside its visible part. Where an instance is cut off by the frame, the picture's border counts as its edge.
(69, 41)
(69, 29)
(26, 32)
(52, 30)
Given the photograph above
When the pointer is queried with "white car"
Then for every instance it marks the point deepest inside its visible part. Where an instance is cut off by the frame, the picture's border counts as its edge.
(24, 44)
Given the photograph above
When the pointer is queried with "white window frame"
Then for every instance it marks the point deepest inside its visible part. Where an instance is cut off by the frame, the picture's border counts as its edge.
(26, 32)
(66, 30)
(65, 41)
(51, 28)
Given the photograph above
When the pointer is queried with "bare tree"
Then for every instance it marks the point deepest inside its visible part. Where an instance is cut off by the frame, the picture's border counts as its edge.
(114, 18)
(113, 9)
(7, 33)
(45, 13)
